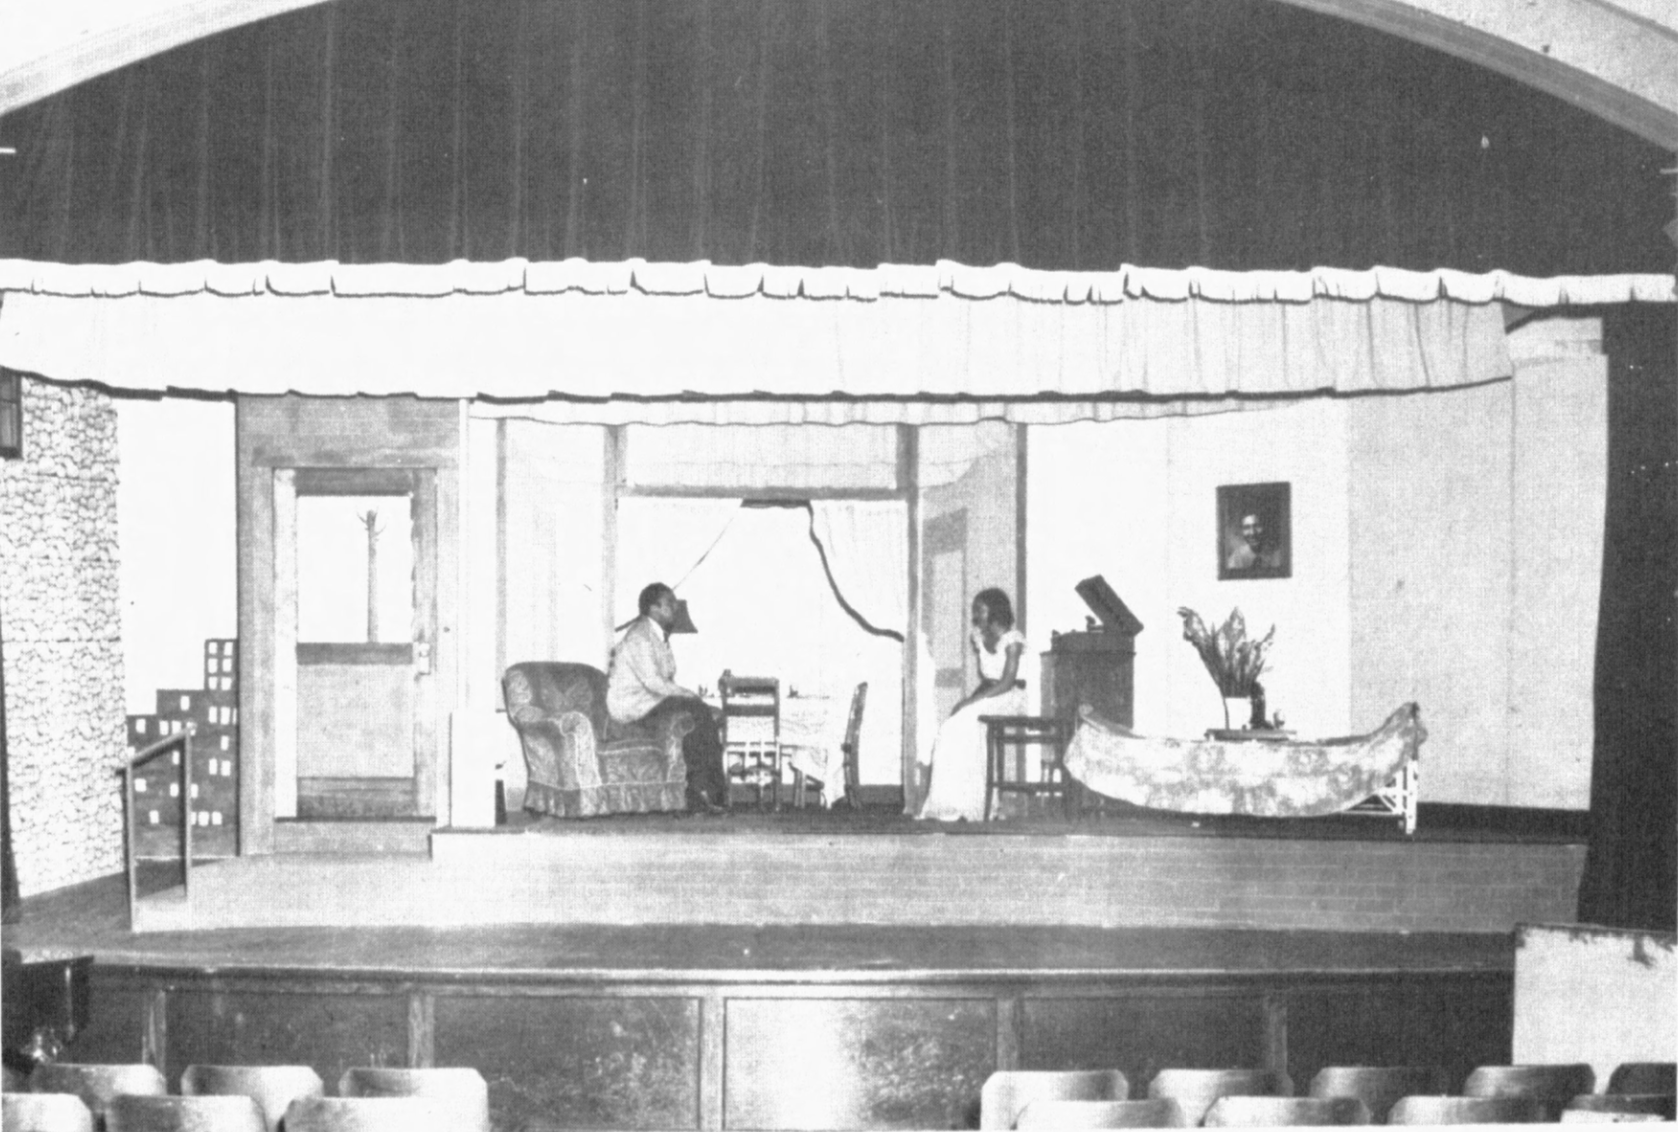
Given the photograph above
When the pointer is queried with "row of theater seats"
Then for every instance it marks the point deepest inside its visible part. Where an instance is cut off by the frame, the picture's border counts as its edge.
(64, 1097)
(1341, 1095)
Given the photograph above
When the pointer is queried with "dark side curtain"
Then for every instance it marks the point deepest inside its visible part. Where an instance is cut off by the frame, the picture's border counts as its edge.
(1077, 134)
(1631, 868)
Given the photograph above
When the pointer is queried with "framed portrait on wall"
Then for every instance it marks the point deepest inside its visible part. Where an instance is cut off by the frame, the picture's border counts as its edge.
(1255, 531)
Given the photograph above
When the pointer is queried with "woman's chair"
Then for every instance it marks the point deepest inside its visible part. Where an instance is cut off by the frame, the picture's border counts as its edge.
(1102, 1114)
(461, 1091)
(44, 1112)
(581, 762)
(1006, 1093)
(97, 1084)
(273, 1087)
(1284, 1112)
(1378, 1086)
(130, 1113)
(1467, 1110)
(1196, 1089)
(1552, 1085)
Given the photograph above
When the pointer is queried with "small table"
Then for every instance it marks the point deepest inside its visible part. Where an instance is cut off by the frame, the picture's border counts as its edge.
(1020, 732)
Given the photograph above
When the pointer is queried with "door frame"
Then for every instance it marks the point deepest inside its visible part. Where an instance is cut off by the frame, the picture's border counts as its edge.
(272, 434)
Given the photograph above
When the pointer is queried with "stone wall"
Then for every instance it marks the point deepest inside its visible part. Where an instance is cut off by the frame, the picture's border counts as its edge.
(60, 621)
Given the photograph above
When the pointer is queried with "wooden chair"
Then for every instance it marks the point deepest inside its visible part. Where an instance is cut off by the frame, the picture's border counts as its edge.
(1017, 734)
(131, 1113)
(1006, 1093)
(1614, 1108)
(44, 1112)
(462, 1091)
(1196, 1089)
(1282, 1112)
(850, 747)
(1644, 1077)
(1378, 1086)
(97, 1084)
(804, 784)
(370, 1114)
(1467, 1110)
(273, 1087)
(1552, 1085)
(1159, 1113)
(751, 732)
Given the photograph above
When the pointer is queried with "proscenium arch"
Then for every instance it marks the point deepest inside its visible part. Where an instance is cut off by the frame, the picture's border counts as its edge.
(1617, 59)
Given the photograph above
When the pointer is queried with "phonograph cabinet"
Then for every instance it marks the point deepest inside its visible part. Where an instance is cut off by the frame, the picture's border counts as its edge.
(1095, 666)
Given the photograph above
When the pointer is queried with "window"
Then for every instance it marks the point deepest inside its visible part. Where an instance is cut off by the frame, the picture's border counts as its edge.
(11, 415)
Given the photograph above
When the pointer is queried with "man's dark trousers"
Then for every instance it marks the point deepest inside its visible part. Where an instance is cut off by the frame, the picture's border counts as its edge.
(701, 750)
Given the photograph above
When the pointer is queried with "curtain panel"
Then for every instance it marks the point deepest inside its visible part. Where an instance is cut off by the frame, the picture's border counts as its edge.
(865, 547)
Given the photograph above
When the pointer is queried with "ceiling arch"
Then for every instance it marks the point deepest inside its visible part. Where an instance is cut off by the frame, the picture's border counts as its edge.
(1617, 59)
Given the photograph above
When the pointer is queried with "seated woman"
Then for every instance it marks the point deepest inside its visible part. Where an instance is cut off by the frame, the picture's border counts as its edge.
(957, 790)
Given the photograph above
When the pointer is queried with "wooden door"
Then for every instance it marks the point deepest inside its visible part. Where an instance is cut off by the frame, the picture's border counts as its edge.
(356, 591)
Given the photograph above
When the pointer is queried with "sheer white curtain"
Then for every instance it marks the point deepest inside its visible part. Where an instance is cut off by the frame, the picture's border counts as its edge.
(662, 540)
(866, 543)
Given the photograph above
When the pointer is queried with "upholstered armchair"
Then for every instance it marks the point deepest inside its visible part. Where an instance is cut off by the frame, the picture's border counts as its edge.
(580, 762)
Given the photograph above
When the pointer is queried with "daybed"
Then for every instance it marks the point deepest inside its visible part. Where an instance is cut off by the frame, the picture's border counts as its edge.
(1373, 773)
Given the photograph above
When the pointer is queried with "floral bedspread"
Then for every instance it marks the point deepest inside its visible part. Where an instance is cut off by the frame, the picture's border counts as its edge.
(1258, 778)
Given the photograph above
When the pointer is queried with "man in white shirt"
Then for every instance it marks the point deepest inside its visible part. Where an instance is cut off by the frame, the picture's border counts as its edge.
(641, 687)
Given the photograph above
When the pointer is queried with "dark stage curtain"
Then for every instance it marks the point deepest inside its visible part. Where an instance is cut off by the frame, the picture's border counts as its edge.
(1631, 869)
(1075, 134)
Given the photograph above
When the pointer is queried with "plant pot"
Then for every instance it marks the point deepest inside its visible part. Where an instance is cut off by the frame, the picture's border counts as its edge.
(1238, 712)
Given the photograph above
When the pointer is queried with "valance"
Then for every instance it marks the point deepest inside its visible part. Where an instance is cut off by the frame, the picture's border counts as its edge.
(669, 343)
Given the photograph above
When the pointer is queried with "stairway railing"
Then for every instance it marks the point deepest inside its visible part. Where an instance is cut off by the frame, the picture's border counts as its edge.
(183, 740)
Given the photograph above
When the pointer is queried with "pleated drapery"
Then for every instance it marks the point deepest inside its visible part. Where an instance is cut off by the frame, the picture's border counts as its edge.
(1061, 134)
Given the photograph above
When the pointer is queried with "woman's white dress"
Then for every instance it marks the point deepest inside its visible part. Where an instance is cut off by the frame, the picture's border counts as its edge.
(958, 756)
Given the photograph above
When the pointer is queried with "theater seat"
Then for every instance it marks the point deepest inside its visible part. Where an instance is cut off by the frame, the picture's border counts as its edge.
(1007, 1092)
(1102, 1114)
(1283, 1112)
(1196, 1089)
(131, 1113)
(1552, 1085)
(1619, 1107)
(369, 1114)
(1467, 1110)
(97, 1084)
(1378, 1086)
(273, 1087)
(44, 1112)
(1644, 1077)
(462, 1091)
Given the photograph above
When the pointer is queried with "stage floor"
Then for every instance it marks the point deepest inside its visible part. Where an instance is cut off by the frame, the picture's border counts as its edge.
(92, 919)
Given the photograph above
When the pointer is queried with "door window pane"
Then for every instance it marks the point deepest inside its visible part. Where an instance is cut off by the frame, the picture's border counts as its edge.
(355, 568)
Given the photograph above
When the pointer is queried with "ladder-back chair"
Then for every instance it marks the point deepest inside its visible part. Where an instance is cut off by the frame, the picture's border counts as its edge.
(751, 732)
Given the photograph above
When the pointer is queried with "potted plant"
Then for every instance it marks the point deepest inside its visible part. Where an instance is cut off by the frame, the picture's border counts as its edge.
(1233, 661)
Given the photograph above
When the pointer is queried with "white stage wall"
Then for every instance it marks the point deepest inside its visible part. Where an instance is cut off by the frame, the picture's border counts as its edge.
(1421, 523)
(1447, 549)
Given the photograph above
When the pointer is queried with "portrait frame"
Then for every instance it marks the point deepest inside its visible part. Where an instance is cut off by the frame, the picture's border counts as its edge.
(1246, 509)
